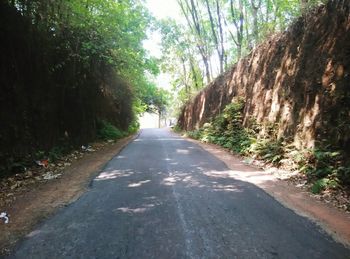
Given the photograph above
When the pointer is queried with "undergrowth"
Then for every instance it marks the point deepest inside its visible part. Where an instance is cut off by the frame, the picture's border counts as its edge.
(11, 165)
(324, 166)
(109, 131)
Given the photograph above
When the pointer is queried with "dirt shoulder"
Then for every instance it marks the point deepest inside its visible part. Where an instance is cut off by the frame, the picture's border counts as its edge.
(333, 221)
(32, 205)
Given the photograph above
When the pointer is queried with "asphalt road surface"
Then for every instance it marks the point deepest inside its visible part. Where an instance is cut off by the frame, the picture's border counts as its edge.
(165, 197)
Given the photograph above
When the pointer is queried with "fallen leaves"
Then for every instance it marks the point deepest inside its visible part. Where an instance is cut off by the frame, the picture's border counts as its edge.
(40, 172)
(339, 197)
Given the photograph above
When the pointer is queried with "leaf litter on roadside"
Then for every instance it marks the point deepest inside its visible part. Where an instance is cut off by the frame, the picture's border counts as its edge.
(41, 171)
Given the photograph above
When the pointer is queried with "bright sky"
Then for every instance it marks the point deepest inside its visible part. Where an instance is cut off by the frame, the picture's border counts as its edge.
(164, 8)
(161, 9)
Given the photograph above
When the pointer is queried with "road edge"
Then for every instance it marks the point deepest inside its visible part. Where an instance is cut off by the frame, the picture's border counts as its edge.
(334, 222)
(37, 212)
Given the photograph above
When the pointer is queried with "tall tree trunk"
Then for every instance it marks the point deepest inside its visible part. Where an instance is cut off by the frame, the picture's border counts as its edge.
(221, 37)
(184, 70)
(159, 118)
(255, 9)
(192, 17)
(239, 24)
(303, 6)
(213, 30)
(194, 73)
(207, 69)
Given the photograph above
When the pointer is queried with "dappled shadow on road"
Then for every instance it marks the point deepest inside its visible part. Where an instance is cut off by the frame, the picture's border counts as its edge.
(182, 166)
(180, 162)
(209, 199)
(141, 209)
(165, 186)
(171, 199)
(113, 174)
(146, 204)
(160, 139)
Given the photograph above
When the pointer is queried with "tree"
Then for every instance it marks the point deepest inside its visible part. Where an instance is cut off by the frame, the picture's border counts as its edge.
(87, 64)
(237, 18)
(218, 33)
(179, 58)
(193, 16)
(216, 26)
(155, 99)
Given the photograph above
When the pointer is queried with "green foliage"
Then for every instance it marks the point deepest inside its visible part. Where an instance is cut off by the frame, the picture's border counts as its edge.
(217, 34)
(40, 154)
(11, 165)
(109, 131)
(154, 99)
(89, 64)
(326, 167)
(322, 184)
(270, 150)
(134, 127)
(196, 134)
(55, 153)
(179, 60)
(323, 163)
(226, 129)
(177, 129)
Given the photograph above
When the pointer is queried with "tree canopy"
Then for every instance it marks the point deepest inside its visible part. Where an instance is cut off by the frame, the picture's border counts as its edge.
(108, 33)
(217, 33)
(68, 68)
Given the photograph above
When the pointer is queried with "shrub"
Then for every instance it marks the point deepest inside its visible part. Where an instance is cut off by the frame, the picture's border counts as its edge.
(271, 150)
(109, 131)
(196, 134)
(133, 127)
(323, 163)
(322, 184)
(55, 153)
(177, 128)
(325, 166)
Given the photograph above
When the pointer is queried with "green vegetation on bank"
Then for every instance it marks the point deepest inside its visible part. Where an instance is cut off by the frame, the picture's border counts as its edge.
(108, 131)
(324, 166)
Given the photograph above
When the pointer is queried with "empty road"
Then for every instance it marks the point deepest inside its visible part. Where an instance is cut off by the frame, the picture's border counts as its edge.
(165, 197)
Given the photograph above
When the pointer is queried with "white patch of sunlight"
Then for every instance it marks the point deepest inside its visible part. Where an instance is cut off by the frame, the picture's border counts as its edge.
(138, 184)
(171, 180)
(142, 209)
(253, 176)
(107, 175)
(227, 188)
(182, 151)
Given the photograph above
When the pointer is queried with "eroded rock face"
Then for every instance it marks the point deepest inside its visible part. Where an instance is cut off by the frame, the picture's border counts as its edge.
(299, 79)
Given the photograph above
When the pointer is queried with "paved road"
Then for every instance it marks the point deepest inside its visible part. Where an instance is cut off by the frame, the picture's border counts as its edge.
(164, 197)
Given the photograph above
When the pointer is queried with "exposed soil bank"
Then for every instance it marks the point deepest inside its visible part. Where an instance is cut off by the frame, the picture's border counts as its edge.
(33, 206)
(298, 80)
